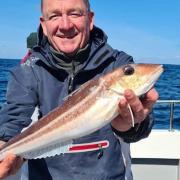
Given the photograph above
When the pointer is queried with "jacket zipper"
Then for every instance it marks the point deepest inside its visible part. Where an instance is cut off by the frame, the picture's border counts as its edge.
(71, 80)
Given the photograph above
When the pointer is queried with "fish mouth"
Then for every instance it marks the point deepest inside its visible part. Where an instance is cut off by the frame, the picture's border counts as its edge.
(149, 82)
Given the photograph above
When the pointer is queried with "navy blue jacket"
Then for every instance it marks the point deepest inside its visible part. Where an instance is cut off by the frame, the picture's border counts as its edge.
(39, 82)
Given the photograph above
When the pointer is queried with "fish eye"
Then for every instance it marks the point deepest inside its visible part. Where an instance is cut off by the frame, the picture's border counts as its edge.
(128, 70)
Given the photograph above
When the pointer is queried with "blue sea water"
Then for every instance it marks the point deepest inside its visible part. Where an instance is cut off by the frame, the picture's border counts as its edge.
(168, 87)
(5, 66)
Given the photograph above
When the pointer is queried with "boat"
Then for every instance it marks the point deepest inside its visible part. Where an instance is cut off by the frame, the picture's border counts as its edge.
(158, 156)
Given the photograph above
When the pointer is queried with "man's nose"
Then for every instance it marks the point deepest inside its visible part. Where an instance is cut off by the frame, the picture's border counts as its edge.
(65, 22)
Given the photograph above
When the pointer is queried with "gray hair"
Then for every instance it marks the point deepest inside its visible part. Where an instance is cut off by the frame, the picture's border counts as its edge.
(85, 1)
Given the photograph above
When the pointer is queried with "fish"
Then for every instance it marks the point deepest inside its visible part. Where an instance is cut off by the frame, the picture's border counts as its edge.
(89, 108)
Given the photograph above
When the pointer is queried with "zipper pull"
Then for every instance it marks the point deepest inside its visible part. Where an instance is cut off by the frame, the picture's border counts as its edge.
(101, 153)
(71, 81)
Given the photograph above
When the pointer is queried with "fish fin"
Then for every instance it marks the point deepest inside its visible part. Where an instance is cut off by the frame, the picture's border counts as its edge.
(116, 92)
(50, 151)
(132, 115)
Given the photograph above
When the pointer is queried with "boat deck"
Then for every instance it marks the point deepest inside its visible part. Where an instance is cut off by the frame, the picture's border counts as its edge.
(157, 157)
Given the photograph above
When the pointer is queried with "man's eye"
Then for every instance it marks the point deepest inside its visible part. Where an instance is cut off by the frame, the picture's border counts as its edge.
(54, 17)
(75, 14)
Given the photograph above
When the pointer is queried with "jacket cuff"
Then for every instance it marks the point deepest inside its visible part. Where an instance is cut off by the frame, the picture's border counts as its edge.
(139, 131)
(127, 133)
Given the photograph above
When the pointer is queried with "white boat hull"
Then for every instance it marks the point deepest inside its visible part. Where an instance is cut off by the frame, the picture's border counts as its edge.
(157, 157)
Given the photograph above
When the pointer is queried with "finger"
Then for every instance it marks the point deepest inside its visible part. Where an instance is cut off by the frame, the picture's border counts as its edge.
(133, 100)
(120, 124)
(149, 100)
(17, 165)
(151, 97)
(2, 143)
(135, 104)
(9, 160)
(124, 111)
(6, 165)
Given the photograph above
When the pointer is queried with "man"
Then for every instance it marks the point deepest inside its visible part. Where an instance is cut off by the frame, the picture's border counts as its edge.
(71, 51)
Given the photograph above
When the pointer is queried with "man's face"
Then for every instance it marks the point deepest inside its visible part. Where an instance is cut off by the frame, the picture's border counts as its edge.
(67, 24)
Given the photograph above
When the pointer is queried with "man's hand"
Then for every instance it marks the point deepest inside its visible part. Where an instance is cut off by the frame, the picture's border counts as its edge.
(140, 109)
(9, 165)
(2, 143)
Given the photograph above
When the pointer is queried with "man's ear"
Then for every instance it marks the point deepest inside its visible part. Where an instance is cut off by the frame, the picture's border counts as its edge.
(43, 24)
(91, 20)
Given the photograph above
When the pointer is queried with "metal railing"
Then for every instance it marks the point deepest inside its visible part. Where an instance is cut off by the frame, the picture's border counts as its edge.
(171, 103)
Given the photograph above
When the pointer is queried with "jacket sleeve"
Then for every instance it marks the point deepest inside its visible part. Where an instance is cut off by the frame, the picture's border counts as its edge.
(138, 132)
(143, 129)
(21, 101)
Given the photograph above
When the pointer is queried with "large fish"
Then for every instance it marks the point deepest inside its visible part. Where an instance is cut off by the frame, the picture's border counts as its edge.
(86, 110)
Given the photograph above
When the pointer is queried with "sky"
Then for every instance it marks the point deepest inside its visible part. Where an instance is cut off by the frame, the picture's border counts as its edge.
(149, 30)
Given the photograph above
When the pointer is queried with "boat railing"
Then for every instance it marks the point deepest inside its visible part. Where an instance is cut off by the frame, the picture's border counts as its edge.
(171, 104)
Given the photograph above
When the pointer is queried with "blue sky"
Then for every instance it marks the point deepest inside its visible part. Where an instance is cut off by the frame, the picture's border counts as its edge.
(149, 30)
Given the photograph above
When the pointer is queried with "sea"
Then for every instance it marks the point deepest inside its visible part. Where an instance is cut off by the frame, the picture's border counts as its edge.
(168, 87)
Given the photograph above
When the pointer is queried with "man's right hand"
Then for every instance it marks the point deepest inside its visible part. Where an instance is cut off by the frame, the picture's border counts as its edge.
(10, 165)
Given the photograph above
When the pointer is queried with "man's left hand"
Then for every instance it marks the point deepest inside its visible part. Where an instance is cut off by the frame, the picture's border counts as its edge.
(140, 109)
